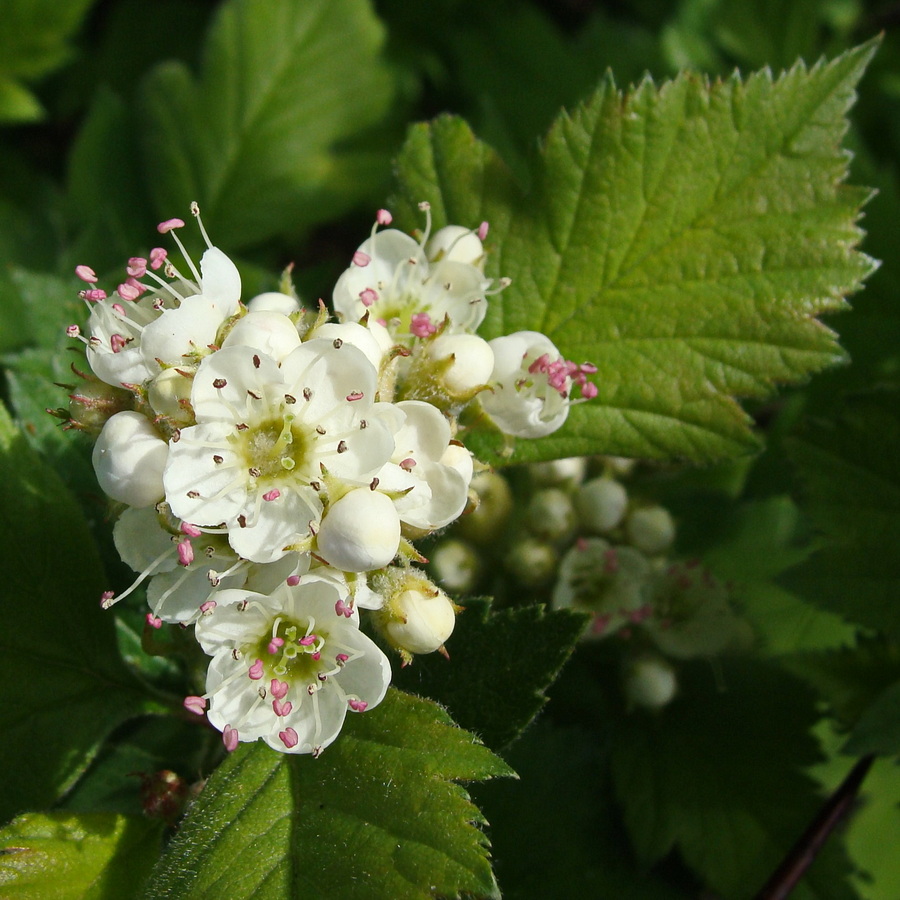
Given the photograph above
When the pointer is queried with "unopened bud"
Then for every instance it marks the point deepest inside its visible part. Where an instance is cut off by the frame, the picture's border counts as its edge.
(601, 504)
(651, 530)
(456, 565)
(532, 561)
(495, 503)
(551, 515)
(417, 617)
(456, 243)
(360, 532)
(650, 681)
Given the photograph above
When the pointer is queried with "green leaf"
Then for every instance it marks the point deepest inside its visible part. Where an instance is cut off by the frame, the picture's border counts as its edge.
(562, 809)
(849, 469)
(759, 543)
(66, 687)
(494, 682)
(676, 777)
(33, 42)
(76, 857)
(878, 731)
(271, 137)
(375, 817)
(106, 201)
(683, 238)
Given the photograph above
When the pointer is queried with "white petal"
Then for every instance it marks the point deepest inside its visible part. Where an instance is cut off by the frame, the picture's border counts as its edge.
(221, 282)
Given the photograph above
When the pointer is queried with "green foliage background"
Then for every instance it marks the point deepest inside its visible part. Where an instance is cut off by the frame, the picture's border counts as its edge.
(683, 226)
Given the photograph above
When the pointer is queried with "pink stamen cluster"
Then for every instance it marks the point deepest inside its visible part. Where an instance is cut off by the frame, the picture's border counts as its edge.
(561, 371)
(421, 325)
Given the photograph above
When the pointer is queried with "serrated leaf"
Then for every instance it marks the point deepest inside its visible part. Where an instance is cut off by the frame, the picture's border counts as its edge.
(676, 778)
(271, 136)
(376, 817)
(76, 857)
(494, 682)
(562, 810)
(66, 687)
(849, 470)
(878, 730)
(759, 543)
(683, 238)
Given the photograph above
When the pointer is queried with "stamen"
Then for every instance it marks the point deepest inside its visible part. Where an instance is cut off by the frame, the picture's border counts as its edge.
(230, 738)
(289, 738)
(196, 705)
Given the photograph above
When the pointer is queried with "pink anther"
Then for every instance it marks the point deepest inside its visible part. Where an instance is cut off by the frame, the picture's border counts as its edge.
(368, 297)
(137, 267)
(278, 689)
(73, 331)
(137, 285)
(357, 705)
(361, 259)
(408, 464)
(208, 606)
(154, 621)
(196, 705)
(274, 494)
(230, 735)
(86, 274)
(128, 291)
(256, 670)
(293, 580)
(383, 217)
(282, 707)
(483, 229)
(158, 257)
(274, 645)
(289, 738)
(117, 342)
(343, 609)
(341, 658)
(165, 228)
(94, 295)
(307, 641)
(354, 395)
(185, 552)
(190, 530)
(119, 309)
(589, 390)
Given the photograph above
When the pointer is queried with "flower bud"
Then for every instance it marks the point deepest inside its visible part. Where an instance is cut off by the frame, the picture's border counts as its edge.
(551, 515)
(360, 532)
(650, 681)
(465, 362)
(456, 243)
(495, 503)
(417, 617)
(455, 565)
(129, 458)
(274, 301)
(601, 504)
(651, 530)
(272, 332)
(567, 472)
(532, 561)
(170, 393)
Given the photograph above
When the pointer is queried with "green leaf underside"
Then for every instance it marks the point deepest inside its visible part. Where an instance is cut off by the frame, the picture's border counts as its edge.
(96, 856)
(683, 238)
(500, 665)
(67, 687)
(853, 488)
(675, 777)
(260, 139)
(376, 816)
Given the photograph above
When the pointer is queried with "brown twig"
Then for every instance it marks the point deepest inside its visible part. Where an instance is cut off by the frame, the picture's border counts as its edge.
(802, 854)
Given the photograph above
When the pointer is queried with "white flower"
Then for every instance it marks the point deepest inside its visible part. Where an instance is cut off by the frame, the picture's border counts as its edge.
(146, 327)
(186, 567)
(410, 287)
(269, 438)
(531, 385)
(287, 667)
(612, 583)
(433, 472)
(129, 458)
(274, 301)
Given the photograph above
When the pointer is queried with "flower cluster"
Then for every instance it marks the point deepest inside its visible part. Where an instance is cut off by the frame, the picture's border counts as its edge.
(272, 466)
(599, 549)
